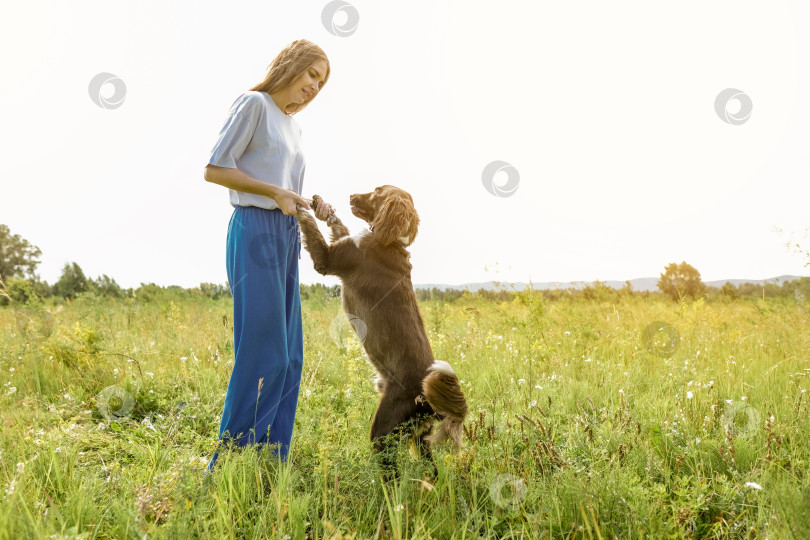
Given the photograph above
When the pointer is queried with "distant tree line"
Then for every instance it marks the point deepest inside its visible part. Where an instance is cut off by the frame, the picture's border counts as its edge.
(20, 284)
(598, 291)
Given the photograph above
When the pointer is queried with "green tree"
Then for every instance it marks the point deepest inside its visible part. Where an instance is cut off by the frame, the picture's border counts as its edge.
(105, 286)
(680, 281)
(18, 258)
(730, 290)
(71, 282)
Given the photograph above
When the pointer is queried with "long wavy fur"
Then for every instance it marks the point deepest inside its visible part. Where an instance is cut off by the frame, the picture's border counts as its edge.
(443, 393)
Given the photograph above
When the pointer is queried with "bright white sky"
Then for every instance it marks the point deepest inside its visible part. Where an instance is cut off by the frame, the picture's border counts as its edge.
(605, 109)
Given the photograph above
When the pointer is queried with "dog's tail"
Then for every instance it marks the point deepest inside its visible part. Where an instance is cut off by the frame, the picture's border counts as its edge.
(443, 393)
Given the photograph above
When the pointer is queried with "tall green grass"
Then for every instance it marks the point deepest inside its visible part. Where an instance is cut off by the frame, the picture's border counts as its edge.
(576, 429)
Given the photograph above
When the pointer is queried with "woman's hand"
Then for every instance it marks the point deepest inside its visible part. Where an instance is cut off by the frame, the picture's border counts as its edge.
(323, 210)
(288, 201)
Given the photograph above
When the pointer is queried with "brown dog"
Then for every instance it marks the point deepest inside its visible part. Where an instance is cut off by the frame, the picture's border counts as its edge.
(376, 286)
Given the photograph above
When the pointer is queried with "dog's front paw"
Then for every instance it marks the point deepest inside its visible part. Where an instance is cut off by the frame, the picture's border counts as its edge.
(303, 215)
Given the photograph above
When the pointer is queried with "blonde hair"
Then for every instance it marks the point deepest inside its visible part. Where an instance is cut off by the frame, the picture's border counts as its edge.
(291, 62)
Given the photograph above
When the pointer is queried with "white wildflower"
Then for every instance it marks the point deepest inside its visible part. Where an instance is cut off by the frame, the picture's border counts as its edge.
(753, 485)
(148, 423)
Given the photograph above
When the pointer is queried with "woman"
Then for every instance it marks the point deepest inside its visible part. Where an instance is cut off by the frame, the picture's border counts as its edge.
(258, 157)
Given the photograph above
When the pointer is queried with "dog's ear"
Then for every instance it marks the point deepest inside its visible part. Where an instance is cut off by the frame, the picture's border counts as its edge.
(396, 219)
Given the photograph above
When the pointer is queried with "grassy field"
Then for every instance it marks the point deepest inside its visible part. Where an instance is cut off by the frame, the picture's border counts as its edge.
(612, 418)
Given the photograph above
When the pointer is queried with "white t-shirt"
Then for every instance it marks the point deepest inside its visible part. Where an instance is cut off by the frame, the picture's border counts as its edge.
(262, 142)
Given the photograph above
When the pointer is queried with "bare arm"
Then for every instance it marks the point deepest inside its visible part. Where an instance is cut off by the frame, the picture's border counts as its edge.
(235, 179)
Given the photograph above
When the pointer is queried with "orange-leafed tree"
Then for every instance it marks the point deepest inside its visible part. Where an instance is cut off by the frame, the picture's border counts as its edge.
(680, 281)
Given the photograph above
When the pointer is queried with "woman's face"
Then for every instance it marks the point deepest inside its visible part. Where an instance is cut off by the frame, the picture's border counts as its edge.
(309, 83)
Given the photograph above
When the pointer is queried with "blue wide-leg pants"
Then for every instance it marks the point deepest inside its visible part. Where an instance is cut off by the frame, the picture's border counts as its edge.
(262, 254)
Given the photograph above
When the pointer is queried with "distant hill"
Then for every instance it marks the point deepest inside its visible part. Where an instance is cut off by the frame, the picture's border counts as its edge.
(638, 284)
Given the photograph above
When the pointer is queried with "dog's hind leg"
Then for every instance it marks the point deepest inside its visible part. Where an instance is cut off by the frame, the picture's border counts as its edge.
(395, 413)
(423, 443)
